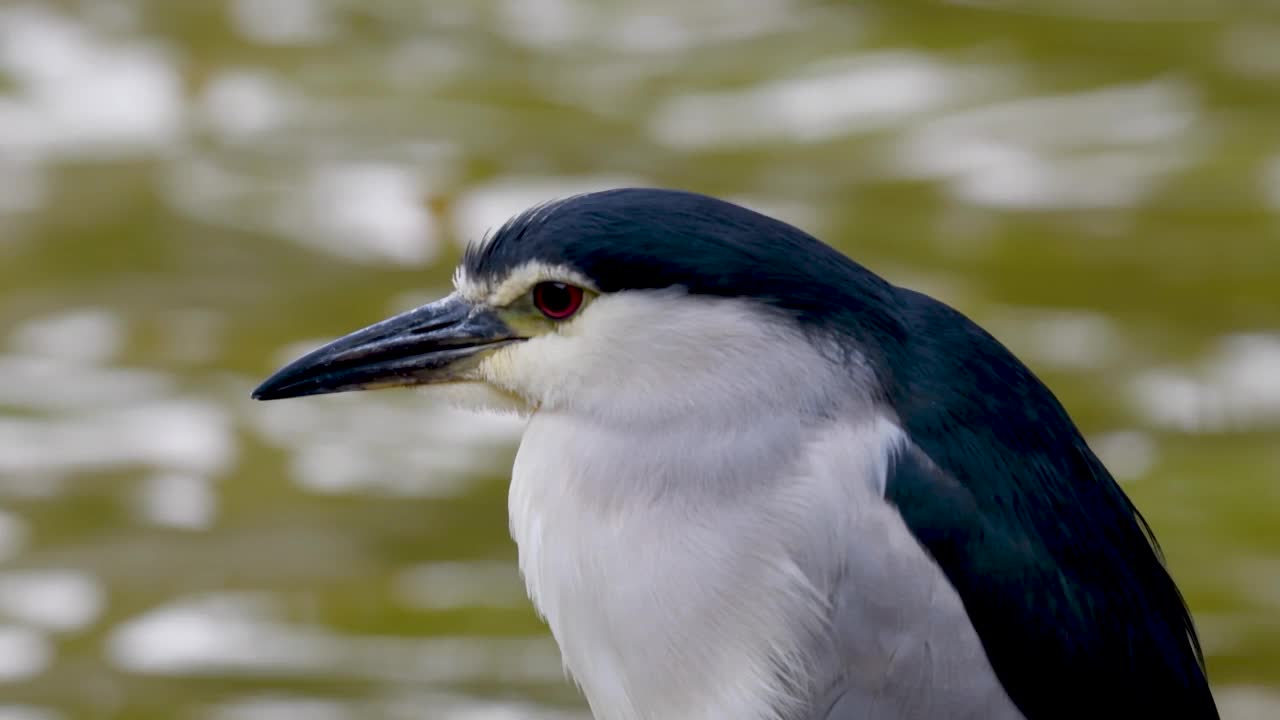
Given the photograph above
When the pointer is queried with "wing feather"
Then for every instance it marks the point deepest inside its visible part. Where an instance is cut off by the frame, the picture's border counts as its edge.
(1056, 568)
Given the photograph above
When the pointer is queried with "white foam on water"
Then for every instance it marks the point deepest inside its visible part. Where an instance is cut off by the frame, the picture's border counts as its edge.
(401, 444)
(1236, 387)
(446, 585)
(1095, 149)
(830, 99)
(363, 211)
(1128, 454)
(284, 22)
(24, 653)
(179, 434)
(484, 208)
(43, 383)
(237, 634)
(244, 104)
(80, 94)
(177, 500)
(90, 335)
(217, 634)
(1061, 338)
(53, 599)
(13, 535)
(28, 712)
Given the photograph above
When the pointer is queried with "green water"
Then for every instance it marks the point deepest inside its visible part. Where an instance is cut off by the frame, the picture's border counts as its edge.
(193, 192)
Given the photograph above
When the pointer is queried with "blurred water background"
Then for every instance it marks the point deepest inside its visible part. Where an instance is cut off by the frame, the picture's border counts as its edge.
(194, 191)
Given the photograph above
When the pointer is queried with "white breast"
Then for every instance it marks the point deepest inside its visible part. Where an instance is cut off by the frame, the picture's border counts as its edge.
(703, 545)
(672, 590)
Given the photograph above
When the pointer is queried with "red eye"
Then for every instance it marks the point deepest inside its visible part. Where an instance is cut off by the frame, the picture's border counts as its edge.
(557, 300)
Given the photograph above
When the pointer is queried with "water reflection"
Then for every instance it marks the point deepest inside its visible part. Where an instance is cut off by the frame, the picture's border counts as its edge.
(183, 434)
(833, 98)
(177, 500)
(17, 712)
(238, 634)
(77, 93)
(485, 207)
(194, 193)
(60, 600)
(284, 22)
(26, 652)
(13, 535)
(1060, 338)
(1099, 148)
(39, 382)
(407, 707)
(441, 586)
(241, 105)
(1237, 388)
(393, 444)
(365, 210)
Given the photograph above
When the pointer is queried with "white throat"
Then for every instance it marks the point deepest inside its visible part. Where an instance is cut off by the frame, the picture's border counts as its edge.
(672, 560)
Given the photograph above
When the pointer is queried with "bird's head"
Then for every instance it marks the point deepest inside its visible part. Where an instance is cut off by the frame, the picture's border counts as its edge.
(636, 303)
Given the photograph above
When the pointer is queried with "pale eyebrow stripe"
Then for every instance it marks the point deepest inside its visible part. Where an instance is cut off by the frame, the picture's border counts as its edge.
(518, 282)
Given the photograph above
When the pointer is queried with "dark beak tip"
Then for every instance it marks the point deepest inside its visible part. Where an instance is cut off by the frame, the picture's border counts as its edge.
(263, 392)
(289, 381)
(277, 387)
(282, 386)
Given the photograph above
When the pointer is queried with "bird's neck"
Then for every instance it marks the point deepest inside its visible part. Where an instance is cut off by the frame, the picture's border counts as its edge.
(670, 564)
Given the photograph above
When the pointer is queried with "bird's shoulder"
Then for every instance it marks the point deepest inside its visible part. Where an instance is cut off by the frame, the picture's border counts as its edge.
(1056, 568)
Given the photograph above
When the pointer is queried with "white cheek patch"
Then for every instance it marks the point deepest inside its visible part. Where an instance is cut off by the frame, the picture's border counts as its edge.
(538, 370)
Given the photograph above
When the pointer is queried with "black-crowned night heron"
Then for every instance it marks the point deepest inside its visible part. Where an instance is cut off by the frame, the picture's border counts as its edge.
(759, 482)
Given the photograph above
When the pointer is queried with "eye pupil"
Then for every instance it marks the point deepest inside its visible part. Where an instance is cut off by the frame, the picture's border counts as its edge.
(557, 300)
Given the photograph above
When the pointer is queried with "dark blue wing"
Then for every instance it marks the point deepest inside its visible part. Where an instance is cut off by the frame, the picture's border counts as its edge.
(1057, 570)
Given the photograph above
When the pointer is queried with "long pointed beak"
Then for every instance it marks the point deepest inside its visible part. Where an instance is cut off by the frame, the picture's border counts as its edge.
(436, 343)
